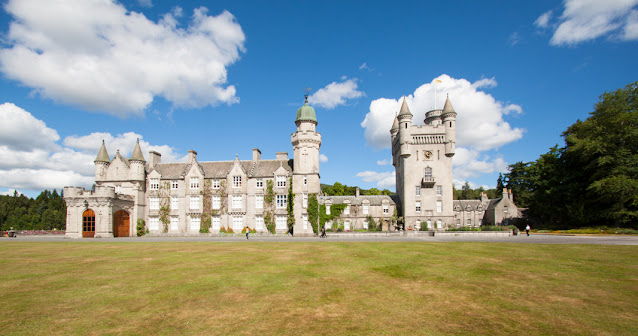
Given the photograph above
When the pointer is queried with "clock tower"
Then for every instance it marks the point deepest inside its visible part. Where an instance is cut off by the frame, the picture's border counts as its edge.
(422, 157)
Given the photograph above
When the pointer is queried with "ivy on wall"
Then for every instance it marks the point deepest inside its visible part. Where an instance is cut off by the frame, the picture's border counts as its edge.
(290, 207)
(208, 212)
(165, 205)
(269, 200)
(313, 211)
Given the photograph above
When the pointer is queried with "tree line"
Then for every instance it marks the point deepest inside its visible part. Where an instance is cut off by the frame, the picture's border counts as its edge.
(45, 212)
(593, 179)
(339, 189)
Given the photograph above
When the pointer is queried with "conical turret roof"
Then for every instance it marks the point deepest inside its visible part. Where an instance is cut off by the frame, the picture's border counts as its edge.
(405, 110)
(102, 155)
(137, 153)
(448, 106)
(395, 124)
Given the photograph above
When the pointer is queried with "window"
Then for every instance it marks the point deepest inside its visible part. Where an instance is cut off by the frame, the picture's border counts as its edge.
(118, 189)
(428, 172)
(386, 209)
(174, 185)
(194, 202)
(346, 211)
(365, 224)
(217, 202)
(236, 181)
(153, 223)
(428, 223)
(216, 221)
(439, 224)
(195, 223)
(505, 209)
(174, 223)
(280, 223)
(346, 225)
(329, 224)
(259, 223)
(259, 183)
(439, 190)
(154, 184)
(281, 181)
(418, 191)
(439, 206)
(418, 206)
(305, 201)
(194, 182)
(469, 222)
(366, 209)
(328, 209)
(238, 223)
(259, 201)
(215, 184)
(305, 180)
(237, 200)
(282, 201)
(174, 203)
(305, 222)
(154, 203)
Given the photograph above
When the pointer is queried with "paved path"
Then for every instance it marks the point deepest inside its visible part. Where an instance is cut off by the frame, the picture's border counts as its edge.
(521, 239)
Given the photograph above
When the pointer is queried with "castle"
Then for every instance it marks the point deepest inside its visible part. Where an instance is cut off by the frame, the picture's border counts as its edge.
(231, 196)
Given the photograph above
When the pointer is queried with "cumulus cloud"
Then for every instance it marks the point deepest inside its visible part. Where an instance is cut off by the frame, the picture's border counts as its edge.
(480, 123)
(584, 20)
(470, 163)
(383, 179)
(383, 162)
(335, 94)
(323, 158)
(38, 162)
(101, 57)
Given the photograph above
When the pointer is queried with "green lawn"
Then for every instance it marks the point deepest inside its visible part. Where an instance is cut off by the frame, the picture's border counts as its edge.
(255, 288)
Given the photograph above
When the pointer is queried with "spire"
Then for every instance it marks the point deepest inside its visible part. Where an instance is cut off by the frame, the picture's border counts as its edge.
(395, 124)
(137, 152)
(405, 110)
(448, 106)
(102, 155)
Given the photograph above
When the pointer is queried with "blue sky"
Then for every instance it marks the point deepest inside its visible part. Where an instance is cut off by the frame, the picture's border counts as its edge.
(226, 76)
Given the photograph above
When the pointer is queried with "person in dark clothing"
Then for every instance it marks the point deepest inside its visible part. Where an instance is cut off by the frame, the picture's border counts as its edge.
(323, 232)
(247, 232)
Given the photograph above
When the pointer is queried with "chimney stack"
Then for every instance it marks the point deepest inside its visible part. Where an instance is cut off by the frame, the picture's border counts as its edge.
(256, 154)
(154, 158)
(356, 193)
(192, 156)
(282, 156)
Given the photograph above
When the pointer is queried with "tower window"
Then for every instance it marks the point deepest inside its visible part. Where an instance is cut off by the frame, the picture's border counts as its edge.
(428, 172)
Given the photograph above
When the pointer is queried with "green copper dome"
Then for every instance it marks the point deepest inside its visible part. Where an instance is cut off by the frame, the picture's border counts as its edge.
(306, 113)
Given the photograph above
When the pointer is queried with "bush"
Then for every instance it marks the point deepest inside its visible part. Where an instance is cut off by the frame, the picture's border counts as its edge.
(141, 227)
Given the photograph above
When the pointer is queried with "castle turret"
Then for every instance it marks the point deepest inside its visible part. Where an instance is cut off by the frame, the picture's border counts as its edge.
(102, 161)
(136, 173)
(305, 179)
(405, 123)
(449, 120)
(395, 128)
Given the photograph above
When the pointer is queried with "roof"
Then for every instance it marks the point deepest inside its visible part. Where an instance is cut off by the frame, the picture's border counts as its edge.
(354, 200)
(137, 153)
(306, 113)
(221, 169)
(102, 155)
(448, 106)
(474, 204)
(405, 110)
(395, 123)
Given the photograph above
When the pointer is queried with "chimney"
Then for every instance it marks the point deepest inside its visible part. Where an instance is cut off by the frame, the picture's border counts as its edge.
(505, 193)
(356, 193)
(282, 156)
(192, 156)
(256, 154)
(511, 195)
(154, 158)
(483, 197)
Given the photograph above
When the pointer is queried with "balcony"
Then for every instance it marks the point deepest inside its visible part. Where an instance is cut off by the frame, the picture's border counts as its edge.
(428, 182)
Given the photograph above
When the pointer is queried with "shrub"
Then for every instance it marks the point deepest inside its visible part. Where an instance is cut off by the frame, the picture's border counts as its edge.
(141, 227)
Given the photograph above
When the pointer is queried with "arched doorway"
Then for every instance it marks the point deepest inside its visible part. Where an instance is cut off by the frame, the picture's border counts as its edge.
(121, 224)
(88, 224)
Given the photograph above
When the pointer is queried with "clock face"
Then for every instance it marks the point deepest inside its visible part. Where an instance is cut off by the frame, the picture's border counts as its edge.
(428, 155)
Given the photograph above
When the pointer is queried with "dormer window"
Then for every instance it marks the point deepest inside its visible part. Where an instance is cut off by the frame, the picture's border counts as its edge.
(215, 184)
(281, 181)
(194, 182)
(236, 181)
(154, 184)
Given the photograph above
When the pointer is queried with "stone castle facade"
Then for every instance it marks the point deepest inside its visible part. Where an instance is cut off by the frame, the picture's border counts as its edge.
(172, 197)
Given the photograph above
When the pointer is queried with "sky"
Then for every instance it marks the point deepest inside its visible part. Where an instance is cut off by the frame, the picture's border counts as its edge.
(223, 77)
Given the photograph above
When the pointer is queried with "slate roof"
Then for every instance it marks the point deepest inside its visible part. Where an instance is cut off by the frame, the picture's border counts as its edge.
(464, 203)
(221, 169)
(373, 199)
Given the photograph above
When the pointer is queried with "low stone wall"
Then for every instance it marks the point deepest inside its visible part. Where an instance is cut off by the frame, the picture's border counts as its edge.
(474, 233)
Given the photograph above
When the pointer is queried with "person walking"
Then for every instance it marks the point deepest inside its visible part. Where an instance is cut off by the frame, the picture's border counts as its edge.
(527, 228)
(247, 232)
(323, 232)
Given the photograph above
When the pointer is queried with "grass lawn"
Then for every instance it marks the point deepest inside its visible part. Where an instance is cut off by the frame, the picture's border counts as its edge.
(254, 288)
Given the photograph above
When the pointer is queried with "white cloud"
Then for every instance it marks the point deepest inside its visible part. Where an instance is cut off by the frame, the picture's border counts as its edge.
(480, 123)
(472, 163)
(514, 38)
(365, 66)
(584, 20)
(383, 162)
(38, 162)
(543, 20)
(383, 179)
(145, 3)
(335, 94)
(10, 192)
(323, 158)
(97, 55)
